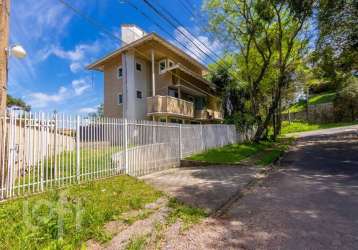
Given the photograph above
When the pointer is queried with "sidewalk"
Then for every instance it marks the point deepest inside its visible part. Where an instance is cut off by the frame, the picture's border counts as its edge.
(206, 187)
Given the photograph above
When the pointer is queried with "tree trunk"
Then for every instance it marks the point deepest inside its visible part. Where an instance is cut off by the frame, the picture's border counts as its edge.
(261, 128)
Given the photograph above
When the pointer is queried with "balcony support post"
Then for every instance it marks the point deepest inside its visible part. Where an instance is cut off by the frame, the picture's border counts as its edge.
(179, 90)
(153, 72)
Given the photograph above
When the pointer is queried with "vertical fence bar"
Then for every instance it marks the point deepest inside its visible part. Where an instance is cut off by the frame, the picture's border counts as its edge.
(126, 146)
(3, 152)
(78, 162)
(180, 143)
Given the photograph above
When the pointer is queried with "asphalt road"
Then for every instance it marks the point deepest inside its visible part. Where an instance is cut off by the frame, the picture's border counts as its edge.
(310, 203)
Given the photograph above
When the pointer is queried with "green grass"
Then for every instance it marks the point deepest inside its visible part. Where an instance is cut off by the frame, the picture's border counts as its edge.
(137, 243)
(322, 98)
(233, 153)
(65, 219)
(186, 214)
(297, 126)
(91, 160)
(272, 153)
(263, 153)
(313, 100)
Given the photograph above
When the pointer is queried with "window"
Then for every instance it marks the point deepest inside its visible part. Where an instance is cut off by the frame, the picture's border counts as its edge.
(138, 66)
(119, 72)
(170, 63)
(173, 93)
(162, 66)
(139, 94)
(120, 99)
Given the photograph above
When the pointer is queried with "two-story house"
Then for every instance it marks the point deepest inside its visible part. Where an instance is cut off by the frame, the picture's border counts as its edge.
(150, 78)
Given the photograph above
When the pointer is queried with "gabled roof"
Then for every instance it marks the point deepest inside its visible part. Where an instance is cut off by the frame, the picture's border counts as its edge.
(150, 37)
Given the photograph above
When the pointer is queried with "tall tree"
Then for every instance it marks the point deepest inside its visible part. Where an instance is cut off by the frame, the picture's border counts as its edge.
(338, 31)
(268, 37)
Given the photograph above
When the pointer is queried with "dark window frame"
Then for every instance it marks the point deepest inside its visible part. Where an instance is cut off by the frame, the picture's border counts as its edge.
(138, 68)
(139, 94)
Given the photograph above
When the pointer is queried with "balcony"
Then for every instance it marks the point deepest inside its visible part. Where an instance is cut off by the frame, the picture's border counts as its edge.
(208, 114)
(168, 105)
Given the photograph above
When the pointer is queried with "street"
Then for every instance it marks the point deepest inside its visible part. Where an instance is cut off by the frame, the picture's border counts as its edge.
(309, 203)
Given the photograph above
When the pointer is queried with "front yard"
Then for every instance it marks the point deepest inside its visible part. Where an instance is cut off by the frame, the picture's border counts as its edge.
(72, 217)
(68, 218)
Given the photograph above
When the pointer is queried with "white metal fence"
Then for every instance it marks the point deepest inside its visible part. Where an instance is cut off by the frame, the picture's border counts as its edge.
(39, 151)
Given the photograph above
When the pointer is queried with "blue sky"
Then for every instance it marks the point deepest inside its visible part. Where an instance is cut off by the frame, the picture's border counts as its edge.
(60, 44)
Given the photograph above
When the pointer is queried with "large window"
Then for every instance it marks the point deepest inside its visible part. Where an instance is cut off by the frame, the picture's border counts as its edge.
(119, 99)
(119, 72)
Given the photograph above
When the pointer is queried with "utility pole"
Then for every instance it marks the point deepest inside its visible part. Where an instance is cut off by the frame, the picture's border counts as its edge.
(4, 41)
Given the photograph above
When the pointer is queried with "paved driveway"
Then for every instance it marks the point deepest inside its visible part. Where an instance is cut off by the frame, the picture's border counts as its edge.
(312, 203)
(204, 187)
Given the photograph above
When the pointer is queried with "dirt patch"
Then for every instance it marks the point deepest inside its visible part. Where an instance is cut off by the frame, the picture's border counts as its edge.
(123, 232)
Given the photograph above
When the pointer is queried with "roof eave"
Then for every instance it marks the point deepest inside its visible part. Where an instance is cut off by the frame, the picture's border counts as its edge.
(150, 36)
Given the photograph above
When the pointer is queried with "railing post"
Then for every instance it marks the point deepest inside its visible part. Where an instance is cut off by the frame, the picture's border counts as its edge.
(42, 159)
(78, 160)
(126, 146)
(55, 147)
(180, 143)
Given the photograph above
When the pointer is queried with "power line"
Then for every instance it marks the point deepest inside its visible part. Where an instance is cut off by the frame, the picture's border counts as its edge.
(135, 7)
(218, 62)
(186, 8)
(102, 28)
(151, 6)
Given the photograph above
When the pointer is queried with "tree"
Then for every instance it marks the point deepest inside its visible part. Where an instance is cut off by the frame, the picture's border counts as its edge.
(338, 31)
(17, 102)
(268, 38)
(233, 92)
(99, 113)
(347, 100)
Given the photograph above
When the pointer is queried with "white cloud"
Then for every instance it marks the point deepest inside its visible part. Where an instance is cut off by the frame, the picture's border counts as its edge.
(87, 110)
(34, 24)
(80, 86)
(199, 48)
(41, 100)
(78, 56)
(75, 67)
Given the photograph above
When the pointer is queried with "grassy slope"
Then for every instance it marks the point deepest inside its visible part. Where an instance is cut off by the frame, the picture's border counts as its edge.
(229, 154)
(263, 153)
(295, 127)
(313, 100)
(33, 223)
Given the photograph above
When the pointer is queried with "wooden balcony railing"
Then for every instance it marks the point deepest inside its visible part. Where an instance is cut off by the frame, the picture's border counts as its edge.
(208, 114)
(168, 105)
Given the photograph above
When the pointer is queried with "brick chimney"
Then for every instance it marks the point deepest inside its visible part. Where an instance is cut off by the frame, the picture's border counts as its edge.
(131, 33)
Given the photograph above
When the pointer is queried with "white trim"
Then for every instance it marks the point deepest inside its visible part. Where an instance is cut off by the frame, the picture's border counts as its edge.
(117, 71)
